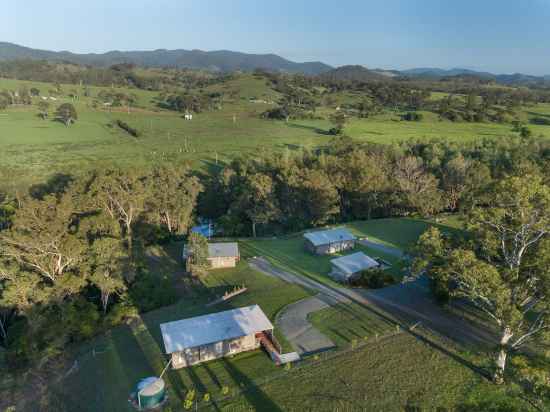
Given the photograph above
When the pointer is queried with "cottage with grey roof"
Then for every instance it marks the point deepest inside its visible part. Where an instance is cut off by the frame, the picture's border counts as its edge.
(223, 255)
(220, 255)
(207, 337)
(327, 242)
(346, 268)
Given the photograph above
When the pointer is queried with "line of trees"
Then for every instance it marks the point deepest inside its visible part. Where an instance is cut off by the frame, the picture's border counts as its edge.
(349, 181)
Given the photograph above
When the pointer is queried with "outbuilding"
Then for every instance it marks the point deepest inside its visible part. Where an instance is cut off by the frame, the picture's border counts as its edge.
(328, 242)
(345, 268)
(220, 255)
(223, 255)
(204, 338)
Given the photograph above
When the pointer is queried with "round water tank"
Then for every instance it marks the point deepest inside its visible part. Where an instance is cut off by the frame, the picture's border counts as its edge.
(150, 392)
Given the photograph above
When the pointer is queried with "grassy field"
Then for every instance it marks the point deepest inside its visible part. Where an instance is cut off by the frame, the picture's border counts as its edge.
(39, 147)
(122, 357)
(396, 374)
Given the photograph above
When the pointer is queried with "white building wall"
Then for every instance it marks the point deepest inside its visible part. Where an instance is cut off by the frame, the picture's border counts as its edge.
(205, 353)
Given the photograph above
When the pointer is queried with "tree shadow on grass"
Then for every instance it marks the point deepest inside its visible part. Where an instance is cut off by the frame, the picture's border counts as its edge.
(310, 128)
(340, 335)
(253, 393)
(137, 365)
(539, 114)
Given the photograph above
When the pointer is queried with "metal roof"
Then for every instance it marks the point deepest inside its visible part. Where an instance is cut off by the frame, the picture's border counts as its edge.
(223, 250)
(205, 230)
(216, 327)
(354, 263)
(329, 236)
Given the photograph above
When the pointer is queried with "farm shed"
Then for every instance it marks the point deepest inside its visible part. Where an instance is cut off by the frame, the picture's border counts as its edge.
(331, 241)
(223, 255)
(220, 255)
(204, 338)
(346, 267)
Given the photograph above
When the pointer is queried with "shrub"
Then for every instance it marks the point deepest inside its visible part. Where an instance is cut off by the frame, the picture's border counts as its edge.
(541, 121)
(278, 113)
(127, 128)
(66, 113)
(120, 313)
(150, 292)
(412, 117)
(373, 279)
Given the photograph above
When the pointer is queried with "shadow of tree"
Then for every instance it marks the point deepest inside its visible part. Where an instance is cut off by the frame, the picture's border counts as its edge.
(253, 393)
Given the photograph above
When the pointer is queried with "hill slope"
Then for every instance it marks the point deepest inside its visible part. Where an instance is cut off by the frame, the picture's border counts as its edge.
(222, 60)
(505, 79)
(353, 73)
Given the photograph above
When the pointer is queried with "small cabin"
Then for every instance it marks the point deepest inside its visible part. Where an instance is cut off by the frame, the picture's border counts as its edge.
(346, 268)
(223, 255)
(328, 242)
(203, 338)
(220, 255)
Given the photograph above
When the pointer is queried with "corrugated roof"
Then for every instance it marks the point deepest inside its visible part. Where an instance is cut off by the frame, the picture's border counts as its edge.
(223, 249)
(354, 263)
(329, 236)
(216, 327)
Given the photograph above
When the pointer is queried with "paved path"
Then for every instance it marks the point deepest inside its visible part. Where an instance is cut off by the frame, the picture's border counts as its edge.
(302, 335)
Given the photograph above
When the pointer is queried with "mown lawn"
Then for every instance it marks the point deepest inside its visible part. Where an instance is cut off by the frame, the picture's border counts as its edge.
(111, 365)
(350, 324)
(289, 253)
(401, 233)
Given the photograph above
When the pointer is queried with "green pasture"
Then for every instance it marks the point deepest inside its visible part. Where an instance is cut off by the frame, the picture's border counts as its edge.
(37, 148)
(395, 374)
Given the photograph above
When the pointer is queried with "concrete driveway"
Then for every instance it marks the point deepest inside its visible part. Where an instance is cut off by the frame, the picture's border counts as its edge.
(301, 334)
(293, 319)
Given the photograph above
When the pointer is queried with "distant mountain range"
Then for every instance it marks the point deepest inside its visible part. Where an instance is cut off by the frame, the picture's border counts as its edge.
(221, 61)
(516, 78)
(230, 61)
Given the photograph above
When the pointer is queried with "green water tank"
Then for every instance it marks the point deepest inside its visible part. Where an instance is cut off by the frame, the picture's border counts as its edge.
(150, 392)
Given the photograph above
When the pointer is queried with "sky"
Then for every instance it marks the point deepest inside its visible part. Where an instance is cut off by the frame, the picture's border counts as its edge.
(500, 36)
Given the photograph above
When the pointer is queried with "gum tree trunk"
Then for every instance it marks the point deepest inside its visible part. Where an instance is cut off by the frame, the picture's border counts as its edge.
(502, 356)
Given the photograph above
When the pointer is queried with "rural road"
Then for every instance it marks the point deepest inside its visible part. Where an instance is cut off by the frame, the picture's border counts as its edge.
(407, 303)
